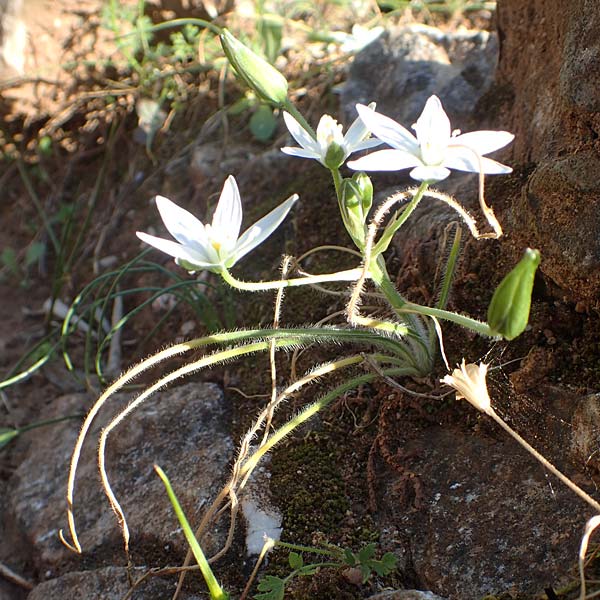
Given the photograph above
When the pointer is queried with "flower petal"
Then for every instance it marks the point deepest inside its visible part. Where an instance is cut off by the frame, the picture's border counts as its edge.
(300, 134)
(356, 133)
(386, 160)
(177, 251)
(182, 225)
(301, 152)
(227, 219)
(428, 173)
(433, 126)
(483, 142)
(263, 228)
(366, 144)
(463, 159)
(387, 130)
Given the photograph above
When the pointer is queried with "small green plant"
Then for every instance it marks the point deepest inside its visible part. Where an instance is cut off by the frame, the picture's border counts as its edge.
(271, 587)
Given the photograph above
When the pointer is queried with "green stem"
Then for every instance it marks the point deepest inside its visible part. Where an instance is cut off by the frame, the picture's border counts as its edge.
(38, 206)
(264, 286)
(393, 227)
(48, 422)
(308, 549)
(312, 410)
(464, 321)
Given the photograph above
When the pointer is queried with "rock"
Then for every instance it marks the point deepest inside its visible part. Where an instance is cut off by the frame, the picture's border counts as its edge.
(557, 213)
(183, 429)
(486, 518)
(402, 68)
(109, 583)
(546, 94)
(261, 516)
(405, 595)
(584, 441)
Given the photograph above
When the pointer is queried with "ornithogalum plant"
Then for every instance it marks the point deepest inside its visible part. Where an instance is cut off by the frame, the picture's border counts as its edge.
(401, 343)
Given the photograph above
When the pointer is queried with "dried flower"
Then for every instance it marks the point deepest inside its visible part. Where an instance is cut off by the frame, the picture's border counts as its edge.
(469, 382)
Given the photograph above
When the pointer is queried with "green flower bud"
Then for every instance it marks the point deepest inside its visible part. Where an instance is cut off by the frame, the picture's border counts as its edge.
(508, 312)
(365, 187)
(257, 73)
(357, 197)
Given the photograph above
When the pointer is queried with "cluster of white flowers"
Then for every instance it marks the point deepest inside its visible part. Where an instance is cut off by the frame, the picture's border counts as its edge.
(430, 154)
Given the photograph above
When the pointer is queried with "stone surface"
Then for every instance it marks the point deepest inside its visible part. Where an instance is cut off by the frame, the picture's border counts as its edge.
(546, 93)
(484, 518)
(109, 583)
(585, 440)
(405, 66)
(183, 429)
(406, 595)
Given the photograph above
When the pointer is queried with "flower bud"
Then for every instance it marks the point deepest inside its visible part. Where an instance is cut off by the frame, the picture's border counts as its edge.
(508, 312)
(258, 74)
(357, 197)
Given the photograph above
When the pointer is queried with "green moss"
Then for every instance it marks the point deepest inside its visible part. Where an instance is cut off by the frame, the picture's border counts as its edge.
(308, 484)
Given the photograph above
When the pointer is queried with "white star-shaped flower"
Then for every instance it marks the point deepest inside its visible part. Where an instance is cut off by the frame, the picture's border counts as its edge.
(332, 147)
(218, 244)
(435, 149)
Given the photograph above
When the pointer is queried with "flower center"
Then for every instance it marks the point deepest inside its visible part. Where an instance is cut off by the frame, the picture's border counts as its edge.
(329, 131)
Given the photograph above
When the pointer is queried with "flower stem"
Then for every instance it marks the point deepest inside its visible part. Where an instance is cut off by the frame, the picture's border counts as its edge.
(263, 286)
(462, 320)
(570, 484)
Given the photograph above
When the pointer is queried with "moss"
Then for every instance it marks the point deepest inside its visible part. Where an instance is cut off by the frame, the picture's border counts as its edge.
(307, 482)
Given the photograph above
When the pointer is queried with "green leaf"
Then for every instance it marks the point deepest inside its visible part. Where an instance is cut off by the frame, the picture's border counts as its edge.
(263, 123)
(34, 252)
(365, 572)
(349, 557)
(215, 590)
(271, 588)
(389, 561)
(384, 566)
(270, 31)
(9, 259)
(296, 561)
(6, 435)
(366, 553)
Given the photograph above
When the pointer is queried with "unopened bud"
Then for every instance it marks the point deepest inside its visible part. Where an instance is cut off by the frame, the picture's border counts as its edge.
(508, 312)
(257, 73)
(357, 197)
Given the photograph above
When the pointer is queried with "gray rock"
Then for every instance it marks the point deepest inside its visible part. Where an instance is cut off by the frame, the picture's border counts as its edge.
(585, 439)
(109, 583)
(402, 68)
(485, 519)
(405, 595)
(183, 429)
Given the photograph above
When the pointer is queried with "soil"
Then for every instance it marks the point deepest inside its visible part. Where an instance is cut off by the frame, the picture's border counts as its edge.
(69, 156)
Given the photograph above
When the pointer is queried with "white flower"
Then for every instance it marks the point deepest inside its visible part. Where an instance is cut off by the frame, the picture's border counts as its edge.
(358, 39)
(469, 382)
(215, 245)
(435, 149)
(332, 147)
